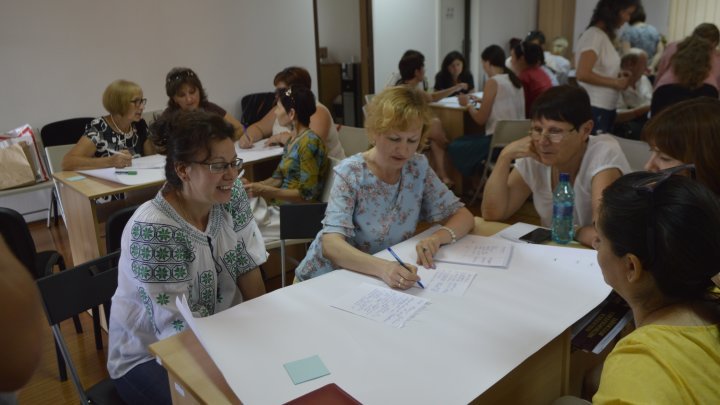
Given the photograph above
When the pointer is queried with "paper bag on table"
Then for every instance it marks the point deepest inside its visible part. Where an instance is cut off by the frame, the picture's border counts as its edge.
(24, 134)
(15, 170)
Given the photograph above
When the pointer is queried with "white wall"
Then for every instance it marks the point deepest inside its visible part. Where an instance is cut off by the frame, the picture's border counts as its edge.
(339, 29)
(452, 21)
(58, 56)
(399, 25)
(492, 23)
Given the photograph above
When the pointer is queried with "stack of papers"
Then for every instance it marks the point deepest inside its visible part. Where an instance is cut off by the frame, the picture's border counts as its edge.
(477, 250)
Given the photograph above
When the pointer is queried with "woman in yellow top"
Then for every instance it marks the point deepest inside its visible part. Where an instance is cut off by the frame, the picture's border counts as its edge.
(300, 176)
(658, 247)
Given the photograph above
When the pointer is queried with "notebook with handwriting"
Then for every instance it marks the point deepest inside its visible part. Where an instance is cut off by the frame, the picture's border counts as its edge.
(477, 250)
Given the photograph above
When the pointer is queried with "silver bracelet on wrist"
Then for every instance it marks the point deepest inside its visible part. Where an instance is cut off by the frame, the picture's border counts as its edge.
(451, 232)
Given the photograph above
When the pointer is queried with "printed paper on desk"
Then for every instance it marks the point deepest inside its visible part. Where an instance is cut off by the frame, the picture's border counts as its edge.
(258, 151)
(149, 162)
(477, 250)
(381, 304)
(141, 176)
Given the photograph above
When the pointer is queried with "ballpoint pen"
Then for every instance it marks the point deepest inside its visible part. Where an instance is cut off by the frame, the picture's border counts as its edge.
(403, 264)
(125, 172)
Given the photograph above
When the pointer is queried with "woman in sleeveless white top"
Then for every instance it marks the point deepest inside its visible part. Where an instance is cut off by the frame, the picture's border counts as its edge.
(503, 99)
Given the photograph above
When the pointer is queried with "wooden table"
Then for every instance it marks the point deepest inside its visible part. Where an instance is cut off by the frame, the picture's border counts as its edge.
(194, 378)
(83, 215)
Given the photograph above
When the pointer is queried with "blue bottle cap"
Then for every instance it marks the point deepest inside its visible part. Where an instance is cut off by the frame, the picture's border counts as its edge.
(565, 177)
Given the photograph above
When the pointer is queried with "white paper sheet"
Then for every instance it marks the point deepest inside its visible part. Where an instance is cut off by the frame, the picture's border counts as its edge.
(515, 231)
(139, 176)
(380, 304)
(477, 250)
(184, 308)
(448, 281)
(149, 162)
(258, 152)
(503, 318)
(453, 100)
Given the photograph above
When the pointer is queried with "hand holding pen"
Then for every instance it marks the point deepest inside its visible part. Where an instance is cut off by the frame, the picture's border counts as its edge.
(120, 158)
(404, 280)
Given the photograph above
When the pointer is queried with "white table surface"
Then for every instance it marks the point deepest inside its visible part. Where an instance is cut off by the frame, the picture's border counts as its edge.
(451, 352)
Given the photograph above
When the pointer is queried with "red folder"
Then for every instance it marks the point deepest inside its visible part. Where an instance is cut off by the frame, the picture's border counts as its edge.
(327, 394)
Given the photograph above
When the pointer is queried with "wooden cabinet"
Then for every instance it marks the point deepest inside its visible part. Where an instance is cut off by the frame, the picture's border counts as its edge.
(329, 83)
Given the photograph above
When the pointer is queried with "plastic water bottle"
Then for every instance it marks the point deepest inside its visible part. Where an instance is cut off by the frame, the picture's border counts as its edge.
(563, 204)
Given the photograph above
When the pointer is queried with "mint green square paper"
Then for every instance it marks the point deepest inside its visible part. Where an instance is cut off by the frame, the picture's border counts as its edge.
(306, 369)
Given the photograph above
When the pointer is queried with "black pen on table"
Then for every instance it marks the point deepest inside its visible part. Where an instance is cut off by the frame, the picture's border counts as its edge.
(403, 264)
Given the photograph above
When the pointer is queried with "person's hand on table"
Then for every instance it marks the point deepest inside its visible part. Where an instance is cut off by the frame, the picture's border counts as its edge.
(245, 142)
(426, 250)
(463, 99)
(121, 159)
(278, 139)
(397, 276)
(461, 87)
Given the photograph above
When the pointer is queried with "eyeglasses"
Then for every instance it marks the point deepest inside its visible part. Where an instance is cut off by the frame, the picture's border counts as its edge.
(221, 167)
(647, 186)
(554, 135)
(139, 101)
(180, 75)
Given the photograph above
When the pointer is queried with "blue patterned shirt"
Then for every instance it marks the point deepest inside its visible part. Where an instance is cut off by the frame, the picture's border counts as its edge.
(373, 215)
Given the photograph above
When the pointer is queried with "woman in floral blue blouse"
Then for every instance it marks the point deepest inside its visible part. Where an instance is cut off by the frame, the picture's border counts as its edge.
(300, 176)
(379, 196)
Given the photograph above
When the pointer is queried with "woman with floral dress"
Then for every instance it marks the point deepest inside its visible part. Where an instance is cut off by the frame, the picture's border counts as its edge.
(114, 139)
(379, 196)
(300, 176)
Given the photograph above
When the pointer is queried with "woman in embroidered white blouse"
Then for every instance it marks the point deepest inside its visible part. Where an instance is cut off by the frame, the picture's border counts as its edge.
(196, 238)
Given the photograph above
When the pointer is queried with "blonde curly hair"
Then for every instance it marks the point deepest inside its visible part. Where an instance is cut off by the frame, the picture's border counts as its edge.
(397, 108)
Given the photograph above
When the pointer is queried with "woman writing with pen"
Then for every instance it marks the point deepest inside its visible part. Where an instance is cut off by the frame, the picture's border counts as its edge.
(379, 196)
(114, 139)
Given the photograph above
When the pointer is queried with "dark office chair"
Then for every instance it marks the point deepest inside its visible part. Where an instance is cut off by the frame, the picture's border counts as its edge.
(299, 223)
(40, 264)
(65, 132)
(72, 292)
(255, 106)
(114, 226)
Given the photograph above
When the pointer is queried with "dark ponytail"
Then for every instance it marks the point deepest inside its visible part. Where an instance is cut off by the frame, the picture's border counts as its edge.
(495, 55)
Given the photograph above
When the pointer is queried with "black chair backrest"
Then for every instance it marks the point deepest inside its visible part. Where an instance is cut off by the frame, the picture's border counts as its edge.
(669, 94)
(301, 221)
(17, 235)
(83, 287)
(255, 106)
(115, 225)
(63, 132)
